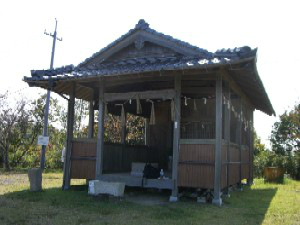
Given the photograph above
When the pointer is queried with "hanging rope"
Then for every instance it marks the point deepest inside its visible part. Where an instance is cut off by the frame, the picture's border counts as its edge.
(172, 110)
(105, 111)
(195, 105)
(123, 119)
(152, 115)
(138, 105)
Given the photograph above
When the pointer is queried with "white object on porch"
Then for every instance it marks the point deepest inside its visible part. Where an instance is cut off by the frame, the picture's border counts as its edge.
(115, 189)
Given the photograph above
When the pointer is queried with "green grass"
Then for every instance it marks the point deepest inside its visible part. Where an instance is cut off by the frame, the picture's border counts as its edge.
(262, 203)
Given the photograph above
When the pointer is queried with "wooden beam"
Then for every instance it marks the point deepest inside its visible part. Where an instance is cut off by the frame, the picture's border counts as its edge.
(159, 94)
(85, 140)
(176, 136)
(227, 115)
(140, 79)
(137, 80)
(147, 131)
(198, 90)
(251, 147)
(235, 87)
(123, 130)
(100, 136)
(218, 147)
(239, 138)
(91, 120)
(197, 141)
(70, 128)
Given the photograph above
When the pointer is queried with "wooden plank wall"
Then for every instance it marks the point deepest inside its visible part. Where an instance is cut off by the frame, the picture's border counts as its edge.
(245, 162)
(196, 165)
(116, 158)
(83, 159)
(224, 167)
(196, 162)
(234, 164)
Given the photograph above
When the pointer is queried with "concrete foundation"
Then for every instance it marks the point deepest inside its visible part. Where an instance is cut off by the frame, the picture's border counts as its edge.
(115, 189)
(173, 199)
(217, 201)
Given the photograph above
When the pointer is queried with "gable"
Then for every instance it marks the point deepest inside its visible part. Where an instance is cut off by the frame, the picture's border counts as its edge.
(142, 50)
(143, 41)
(138, 45)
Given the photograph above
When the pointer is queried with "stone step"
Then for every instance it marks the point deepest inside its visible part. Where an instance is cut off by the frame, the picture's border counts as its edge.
(97, 187)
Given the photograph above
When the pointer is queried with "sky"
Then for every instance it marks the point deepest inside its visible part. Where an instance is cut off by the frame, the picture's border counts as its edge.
(87, 26)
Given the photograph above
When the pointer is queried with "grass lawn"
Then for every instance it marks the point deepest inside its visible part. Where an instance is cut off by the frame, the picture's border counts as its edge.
(259, 204)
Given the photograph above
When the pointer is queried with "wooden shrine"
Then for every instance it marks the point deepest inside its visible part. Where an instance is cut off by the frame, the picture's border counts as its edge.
(198, 109)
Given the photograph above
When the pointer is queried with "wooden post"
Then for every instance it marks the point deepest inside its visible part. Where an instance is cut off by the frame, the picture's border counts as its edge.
(100, 136)
(217, 200)
(70, 127)
(251, 143)
(227, 119)
(123, 130)
(147, 132)
(239, 138)
(91, 120)
(176, 137)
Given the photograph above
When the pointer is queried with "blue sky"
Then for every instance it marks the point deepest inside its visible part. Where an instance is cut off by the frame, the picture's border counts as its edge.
(86, 27)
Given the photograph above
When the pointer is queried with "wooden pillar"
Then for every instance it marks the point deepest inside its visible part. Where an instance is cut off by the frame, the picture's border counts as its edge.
(100, 136)
(218, 145)
(251, 146)
(239, 140)
(70, 127)
(123, 130)
(227, 119)
(176, 136)
(147, 132)
(91, 120)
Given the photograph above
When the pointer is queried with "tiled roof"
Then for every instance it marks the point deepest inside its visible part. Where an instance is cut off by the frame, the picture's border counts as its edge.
(143, 64)
(188, 57)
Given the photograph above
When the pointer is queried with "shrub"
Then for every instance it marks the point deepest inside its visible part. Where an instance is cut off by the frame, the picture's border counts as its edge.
(290, 163)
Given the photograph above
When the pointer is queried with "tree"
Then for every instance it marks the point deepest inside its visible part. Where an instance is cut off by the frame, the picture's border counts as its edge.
(14, 124)
(21, 121)
(56, 131)
(81, 112)
(258, 146)
(285, 137)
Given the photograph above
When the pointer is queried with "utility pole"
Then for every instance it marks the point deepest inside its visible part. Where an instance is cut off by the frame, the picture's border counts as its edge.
(45, 133)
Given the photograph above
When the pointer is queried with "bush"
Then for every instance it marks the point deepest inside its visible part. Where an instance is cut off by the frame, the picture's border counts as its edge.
(260, 161)
(290, 163)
